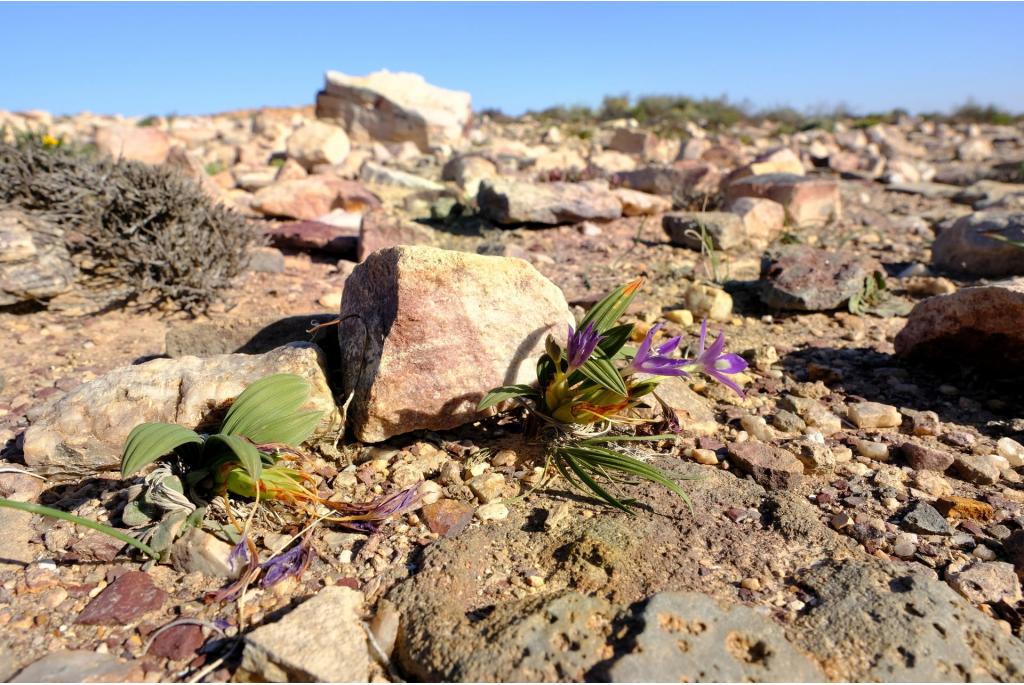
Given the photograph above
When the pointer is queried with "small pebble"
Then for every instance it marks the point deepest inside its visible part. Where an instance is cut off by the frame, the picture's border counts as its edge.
(752, 584)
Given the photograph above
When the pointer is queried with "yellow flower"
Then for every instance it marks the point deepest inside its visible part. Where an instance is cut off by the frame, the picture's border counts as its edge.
(50, 141)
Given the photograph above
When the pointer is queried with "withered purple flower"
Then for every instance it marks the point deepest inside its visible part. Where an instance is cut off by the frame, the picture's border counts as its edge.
(657, 362)
(581, 345)
(712, 362)
(365, 517)
(287, 564)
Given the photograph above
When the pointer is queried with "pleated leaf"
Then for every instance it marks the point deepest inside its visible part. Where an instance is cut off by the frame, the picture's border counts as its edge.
(613, 340)
(245, 453)
(604, 373)
(262, 412)
(149, 441)
(605, 313)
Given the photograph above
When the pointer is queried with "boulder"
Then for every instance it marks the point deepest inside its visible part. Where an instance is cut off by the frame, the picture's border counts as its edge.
(315, 236)
(807, 201)
(380, 229)
(318, 143)
(977, 245)
(633, 142)
(981, 326)
(807, 278)
(467, 171)
(312, 197)
(34, 261)
(517, 202)
(763, 219)
(425, 333)
(394, 107)
(682, 179)
(84, 431)
(138, 143)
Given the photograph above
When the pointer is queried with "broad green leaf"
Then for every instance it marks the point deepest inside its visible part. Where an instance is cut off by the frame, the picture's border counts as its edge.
(259, 409)
(604, 373)
(605, 313)
(94, 525)
(504, 393)
(614, 339)
(293, 429)
(545, 370)
(245, 453)
(149, 441)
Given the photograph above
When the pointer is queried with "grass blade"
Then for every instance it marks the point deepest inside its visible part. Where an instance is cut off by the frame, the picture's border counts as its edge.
(94, 525)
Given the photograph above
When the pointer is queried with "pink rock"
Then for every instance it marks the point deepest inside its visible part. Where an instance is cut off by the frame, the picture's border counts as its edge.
(315, 235)
(129, 597)
(380, 229)
(139, 143)
(807, 201)
(312, 197)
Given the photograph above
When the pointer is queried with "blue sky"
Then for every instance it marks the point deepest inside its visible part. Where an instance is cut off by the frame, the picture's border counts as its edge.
(155, 58)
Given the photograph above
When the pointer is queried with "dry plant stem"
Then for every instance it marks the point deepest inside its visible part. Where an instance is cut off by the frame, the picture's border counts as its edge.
(245, 585)
(22, 472)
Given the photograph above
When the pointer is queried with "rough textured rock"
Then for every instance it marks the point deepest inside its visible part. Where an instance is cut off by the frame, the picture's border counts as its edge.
(129, 597)
(920, 457)
(694, 412)
(987, 582)
(633, 142)
(34, 262)
(447, 517)
(778, 161)
(178, 642)
(896, 626)
(370, 172)
(467, 171)
(79, 666)
(968, 245)
(139, 143)
(316, 236)
(772, 467)
(394, 107)
(687, 637)
(921, 517)
(312, 197)
(982, 326)
(807, 201)
(725, 229)
(680, 179)
(425, 333)
(380, 229)
(318, 143)
(637, 203)
(85, 430)
(515, 202)
(320, 641)
(806, 278)
(762, 218)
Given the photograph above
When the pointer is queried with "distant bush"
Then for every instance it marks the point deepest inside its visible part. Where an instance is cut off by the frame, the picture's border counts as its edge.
(972, 112)
(151, 120)
(149, 229)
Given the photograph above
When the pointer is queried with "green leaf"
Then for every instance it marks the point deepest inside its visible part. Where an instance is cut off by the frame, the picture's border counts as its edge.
(149, 441)
(263, 411)
(94, 525)
(595, 487)
(614, 339)
(605, 313)
(505, 393)
(604, 373)
(246, 453)
(545, 370)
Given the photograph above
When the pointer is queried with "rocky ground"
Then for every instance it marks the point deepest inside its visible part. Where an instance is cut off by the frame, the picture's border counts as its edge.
(859, 515)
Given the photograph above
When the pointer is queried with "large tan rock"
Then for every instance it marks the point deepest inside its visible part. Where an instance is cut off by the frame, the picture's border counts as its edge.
(425, 333)
(807, 201)
(981, 326)
(514, 202)
(972, 245)
(138, 143)
(318, 143)
(394, 107)
(84, 431)
(312, 197)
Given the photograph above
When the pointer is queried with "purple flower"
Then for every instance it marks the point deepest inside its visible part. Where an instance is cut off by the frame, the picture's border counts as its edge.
(290, 563)
(657, 362)
(581, 345)
(239, 557)
(715, 364)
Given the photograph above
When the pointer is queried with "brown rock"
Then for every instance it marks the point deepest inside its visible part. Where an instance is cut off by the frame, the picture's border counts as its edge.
(725, 229)
(380, 229)
(633, 142)
(919, 457)
(129, 597)
(447, 517)
(686, 178)
(425, 333)
(762, 218)
(34, 261)
(807, 278)
(772, 467)
(807, 201)
(964, 508)
(982, 326)
(778, 161)
(637, 203)
(315, 235)
(318, 143)
(312, 197)
(516, 202)
(178, 642)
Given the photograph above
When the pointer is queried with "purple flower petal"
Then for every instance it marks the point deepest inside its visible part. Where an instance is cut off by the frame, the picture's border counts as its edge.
(581, 345)
(730, 363)
(670, 346)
